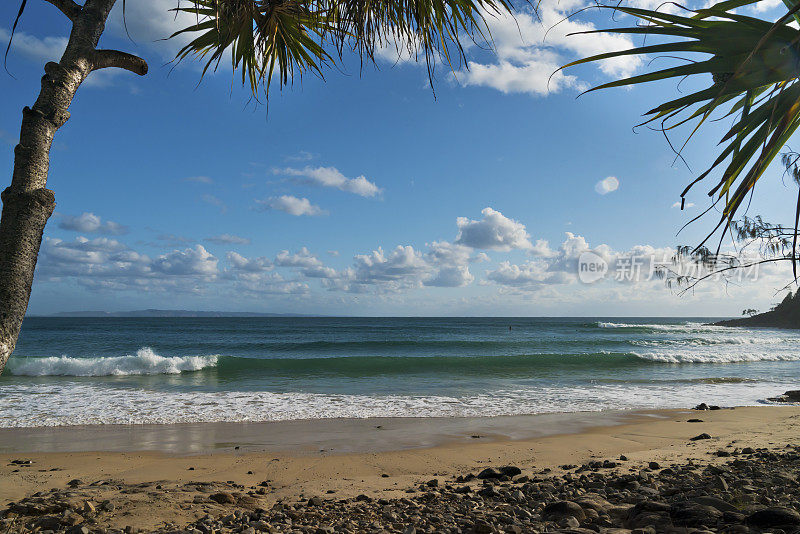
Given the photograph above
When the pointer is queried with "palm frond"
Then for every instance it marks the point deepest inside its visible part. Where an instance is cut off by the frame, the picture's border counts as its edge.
(284, 38)
(753, 66)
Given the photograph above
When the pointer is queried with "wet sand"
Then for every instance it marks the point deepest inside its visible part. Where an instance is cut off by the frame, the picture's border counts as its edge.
(346, 458)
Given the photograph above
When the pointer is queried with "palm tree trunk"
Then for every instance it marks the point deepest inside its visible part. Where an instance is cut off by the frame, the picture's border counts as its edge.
(27, 203)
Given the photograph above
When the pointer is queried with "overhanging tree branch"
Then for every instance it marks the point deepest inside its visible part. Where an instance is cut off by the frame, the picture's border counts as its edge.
(68, 7)
(103, 59)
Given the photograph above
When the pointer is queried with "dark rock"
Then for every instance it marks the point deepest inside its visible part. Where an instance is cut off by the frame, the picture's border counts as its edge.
(363, 498)
(694, 421)
(510, 471)
(773, 517)
(561, 509)
(691, 514)
(719, 504)
(489, 473)
(316, 501)
(653, 465)
(433, 483)
(701, 406)
(701, 436)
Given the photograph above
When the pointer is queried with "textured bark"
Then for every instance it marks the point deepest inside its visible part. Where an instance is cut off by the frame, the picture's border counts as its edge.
(27, 203)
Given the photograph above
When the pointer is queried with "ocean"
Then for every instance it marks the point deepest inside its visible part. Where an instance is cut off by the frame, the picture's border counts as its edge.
(76, 371)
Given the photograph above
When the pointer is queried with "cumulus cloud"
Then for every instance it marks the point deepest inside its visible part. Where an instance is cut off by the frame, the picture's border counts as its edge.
(332, 177)
(494, 232)
(606, 185)
(451, 277)
(254, 265)
(530, 48)
(228, 239)
(89, 223)
(636, 265)
(686, 205)
(291, 205)
(191, 261)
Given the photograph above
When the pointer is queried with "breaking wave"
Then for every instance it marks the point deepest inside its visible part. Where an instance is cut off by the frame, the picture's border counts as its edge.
(144, 362)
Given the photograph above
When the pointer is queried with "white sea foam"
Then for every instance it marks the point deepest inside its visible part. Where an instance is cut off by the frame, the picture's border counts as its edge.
(718, 356)
(144, 362)
(35, 404)
(683, 327)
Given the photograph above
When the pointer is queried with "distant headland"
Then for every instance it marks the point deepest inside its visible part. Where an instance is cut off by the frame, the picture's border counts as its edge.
(172, 313)
(784, 315)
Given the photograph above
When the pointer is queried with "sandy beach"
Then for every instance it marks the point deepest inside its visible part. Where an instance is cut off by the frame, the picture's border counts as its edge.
(149, 481)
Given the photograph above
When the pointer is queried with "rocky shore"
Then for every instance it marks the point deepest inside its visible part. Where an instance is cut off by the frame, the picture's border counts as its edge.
(737, 490)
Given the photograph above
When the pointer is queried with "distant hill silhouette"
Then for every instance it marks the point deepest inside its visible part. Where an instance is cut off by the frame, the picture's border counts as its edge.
(784, 315)
(173, 313)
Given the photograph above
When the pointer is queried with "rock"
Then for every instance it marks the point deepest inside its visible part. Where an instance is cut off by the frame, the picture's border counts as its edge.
(561, 509)
(433, 483)
(700, 436)
(75, 482)
(719, 504)
(654, 465)
(789, 396)
(748, 450)
(623, 458)
(316, 501)
(363, 498)
(722, 454)
(222, 498)
(694, 421)
(701, 406)
(489, 473)
(89, 507)
(510, 471)
(72, 519)
(691, 514)
(773, 517)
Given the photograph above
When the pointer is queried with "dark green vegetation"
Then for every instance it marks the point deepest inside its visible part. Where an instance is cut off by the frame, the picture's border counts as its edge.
(784, 315)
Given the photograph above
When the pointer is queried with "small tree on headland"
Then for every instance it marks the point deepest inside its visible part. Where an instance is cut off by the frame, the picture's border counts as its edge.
(264, 38)
(749, 312)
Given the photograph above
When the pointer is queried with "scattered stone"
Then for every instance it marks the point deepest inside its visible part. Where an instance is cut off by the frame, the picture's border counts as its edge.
(773, 517)
(701, 436)
(695, 421)
(222, 497)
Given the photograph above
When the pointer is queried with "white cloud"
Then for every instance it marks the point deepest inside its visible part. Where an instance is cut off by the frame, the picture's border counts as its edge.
(331, 177)
(606, 185)
(254, 265)
(687, 205)
(228, 239)
(494, 232)
(190, 261)
(302, 258)
(530, 49)
(291, 205)
(451, 277)
(34, 48)
(89, 223)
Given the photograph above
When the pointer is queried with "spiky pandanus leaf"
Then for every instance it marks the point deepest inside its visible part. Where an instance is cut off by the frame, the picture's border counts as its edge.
(289, 37)
(752, 66)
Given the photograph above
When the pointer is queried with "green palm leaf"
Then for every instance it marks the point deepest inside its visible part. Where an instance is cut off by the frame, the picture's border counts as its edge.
(753, 71)
(281, 38)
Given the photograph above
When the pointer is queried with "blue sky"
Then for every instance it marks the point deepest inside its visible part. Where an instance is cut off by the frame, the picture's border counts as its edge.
(363, 194)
